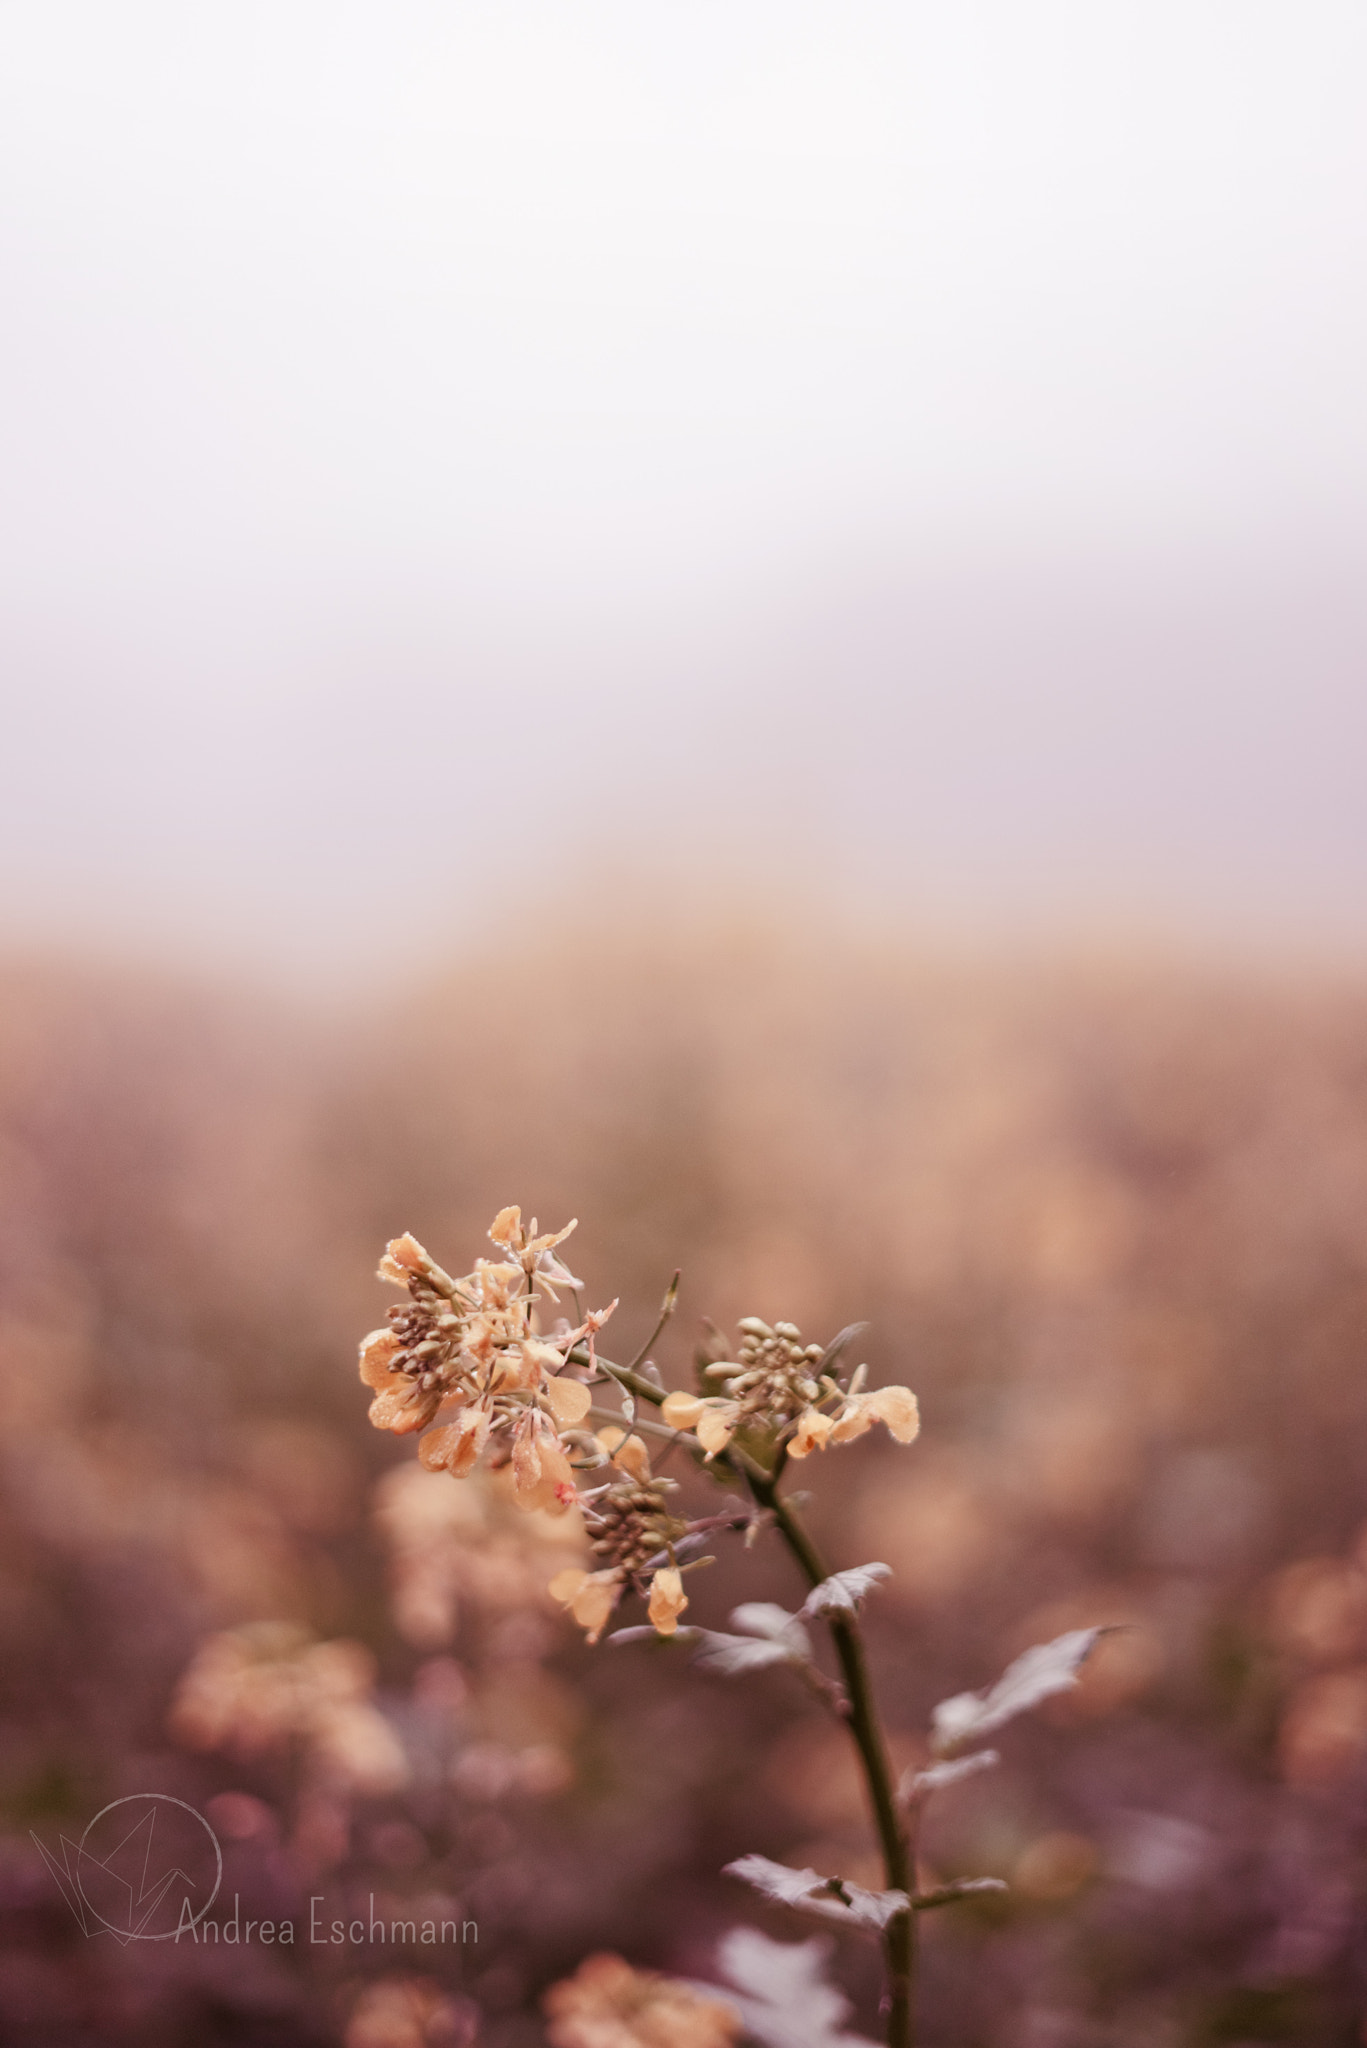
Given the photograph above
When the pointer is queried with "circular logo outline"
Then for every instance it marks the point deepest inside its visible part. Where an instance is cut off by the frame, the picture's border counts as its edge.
(166, 1799)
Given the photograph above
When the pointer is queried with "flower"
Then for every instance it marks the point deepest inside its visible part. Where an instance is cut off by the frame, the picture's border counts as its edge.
(777, 1386)
(409, 2012)
(713, 1418)
(631, 1535)
(253, 1689)
(627, 1452)
(533, 1253)
(667, 1600)
(895, 1406)
(467, 1355)
(812, 1433)
(590, 1596)
(607, 2004)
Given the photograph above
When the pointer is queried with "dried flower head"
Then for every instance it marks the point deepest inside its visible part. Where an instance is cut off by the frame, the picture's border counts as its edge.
(469, 1356)
(607, 2004)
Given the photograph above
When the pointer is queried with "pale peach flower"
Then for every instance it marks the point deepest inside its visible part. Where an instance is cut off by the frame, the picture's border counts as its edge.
(711, 1417)
(894, 1406)
(590, 1596)
(255, 1688)
(628, 1452)
(467, 1355)
(667, 1600)
(409, 2012)
(607, 2004)
(534, 1254)
(812, 1433)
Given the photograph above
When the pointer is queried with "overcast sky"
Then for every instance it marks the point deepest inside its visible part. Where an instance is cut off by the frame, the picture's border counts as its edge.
(918, 447)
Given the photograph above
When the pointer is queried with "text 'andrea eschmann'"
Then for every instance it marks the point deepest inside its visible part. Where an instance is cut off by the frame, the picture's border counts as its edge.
(398, 1933)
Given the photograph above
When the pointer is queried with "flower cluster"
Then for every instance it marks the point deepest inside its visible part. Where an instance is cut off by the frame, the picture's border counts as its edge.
(468, 1356)
(632, 1535)
(608, 2004)
(466, 1362)
(465, 1550)
(257, 1688)
(410, 2012)
(780, 1390)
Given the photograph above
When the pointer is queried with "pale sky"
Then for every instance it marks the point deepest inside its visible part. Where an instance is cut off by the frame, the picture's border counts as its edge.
(924, 447)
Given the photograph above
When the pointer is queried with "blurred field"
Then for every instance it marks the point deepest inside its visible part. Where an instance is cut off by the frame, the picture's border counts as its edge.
(1109, 1220)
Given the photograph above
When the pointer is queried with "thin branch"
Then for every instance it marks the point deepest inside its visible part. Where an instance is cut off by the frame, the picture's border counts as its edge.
(638, 1426)
(666, 1311)
(632, 1381)
(962, 1888)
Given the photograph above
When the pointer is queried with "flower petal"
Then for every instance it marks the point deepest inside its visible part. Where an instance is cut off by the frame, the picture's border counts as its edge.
(401, 1409)
(376, 1351)
(633, 1457)
(456, 1447)
(813, 1428)
(716, 1426)
(667, 1600)
(569, 1400)
(565, 1585)
(526, 1464)
(506, 1228)
(681, 1410)
(852, 1421)
(593, 1604)
(897, 1407)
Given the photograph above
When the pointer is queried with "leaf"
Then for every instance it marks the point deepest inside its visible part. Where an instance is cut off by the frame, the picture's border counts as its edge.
(651, 1635)
(843, 1591)
(1036, 1675)
(781, 1991)
(937, 1776)
(764, 1618)
(829, 1897)
(729, 1656)
(773, 1636)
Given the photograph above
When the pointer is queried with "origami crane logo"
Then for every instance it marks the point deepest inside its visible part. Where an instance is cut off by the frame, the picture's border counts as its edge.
(147, 1868)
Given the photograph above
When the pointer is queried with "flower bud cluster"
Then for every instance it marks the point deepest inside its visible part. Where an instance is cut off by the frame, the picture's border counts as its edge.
(775, 1375)
(630, 1524)
(632, 1536)
(775, 1389)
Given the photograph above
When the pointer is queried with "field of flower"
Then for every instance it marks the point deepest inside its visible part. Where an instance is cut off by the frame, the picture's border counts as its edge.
(1107, 1219)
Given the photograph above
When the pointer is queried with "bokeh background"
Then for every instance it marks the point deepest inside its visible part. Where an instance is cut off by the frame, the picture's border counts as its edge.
(748, 623)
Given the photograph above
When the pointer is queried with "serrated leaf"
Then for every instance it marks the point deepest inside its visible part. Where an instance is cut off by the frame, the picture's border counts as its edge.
(829, 1898)
(843, 1591)
(1036, 1675)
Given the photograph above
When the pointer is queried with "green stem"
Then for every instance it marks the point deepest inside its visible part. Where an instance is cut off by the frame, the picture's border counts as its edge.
(899, 1937)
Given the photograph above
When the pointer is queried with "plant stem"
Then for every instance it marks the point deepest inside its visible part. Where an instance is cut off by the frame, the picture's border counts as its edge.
(899, 1938)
